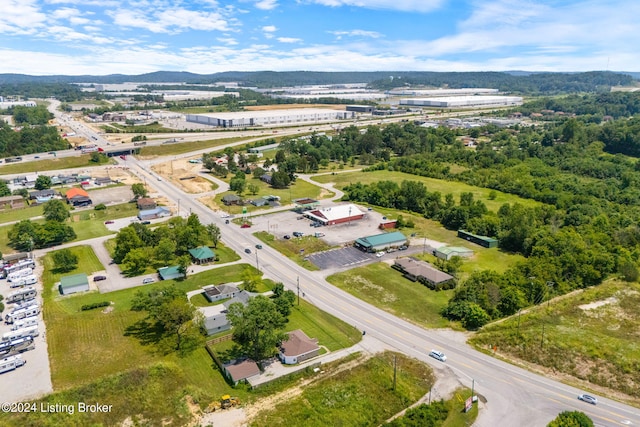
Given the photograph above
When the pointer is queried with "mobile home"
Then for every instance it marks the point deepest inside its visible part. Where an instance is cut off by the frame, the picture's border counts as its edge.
(24, 281)
(20, 273)
(20, 345)
(24, 323)
(29, 331)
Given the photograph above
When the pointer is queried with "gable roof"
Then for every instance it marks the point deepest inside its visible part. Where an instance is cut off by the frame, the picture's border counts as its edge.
(422, 269)
(243, 370)
(73, 280)
(382, 239)
(298, 343)
(74, 192)
(242, 297)
(202, 252)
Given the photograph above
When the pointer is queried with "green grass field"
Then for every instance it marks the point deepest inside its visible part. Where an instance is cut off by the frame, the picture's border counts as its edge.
(79, 161)
(185, 147)
(591, 335)
(456, 188)
(292, 248)
(380, 285)
(360, 396)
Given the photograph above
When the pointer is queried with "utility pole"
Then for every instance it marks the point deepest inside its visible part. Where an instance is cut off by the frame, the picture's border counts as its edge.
(519, 311)
(395, 371)
(298, 291)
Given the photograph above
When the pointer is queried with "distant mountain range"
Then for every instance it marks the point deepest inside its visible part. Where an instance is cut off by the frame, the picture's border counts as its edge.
(267, 78)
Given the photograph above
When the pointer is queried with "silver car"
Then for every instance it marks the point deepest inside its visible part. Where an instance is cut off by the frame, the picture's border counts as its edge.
(438, 355)
(588, 399)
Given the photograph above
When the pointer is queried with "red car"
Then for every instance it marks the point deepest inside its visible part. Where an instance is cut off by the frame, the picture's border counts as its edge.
(245, 225)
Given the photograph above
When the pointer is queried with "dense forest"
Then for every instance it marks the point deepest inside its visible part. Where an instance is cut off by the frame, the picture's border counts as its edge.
(583, 173)
(34, 136)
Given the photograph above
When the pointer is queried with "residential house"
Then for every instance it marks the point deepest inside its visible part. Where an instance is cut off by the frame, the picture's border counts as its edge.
(231, 199)
(146, 203)
(243, 370)
(78, 197)
(41, 194)
(103, 180)
(159, 212)
(423, 272)
(298, 347)
(219, 292)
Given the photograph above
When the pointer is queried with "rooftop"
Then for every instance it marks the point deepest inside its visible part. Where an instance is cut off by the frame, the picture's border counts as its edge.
(298, 343)
(382, 239)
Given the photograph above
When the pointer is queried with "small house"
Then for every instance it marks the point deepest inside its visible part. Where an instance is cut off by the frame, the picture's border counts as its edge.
(11, 202)
(159, 212)
(103, 180)
(423, 272)
(231, 199)
(73, 284)
(298, 347)
(259, 202)
(241, 371)
(78, 197)
(218, 293)
(40, 194)
(146, 203)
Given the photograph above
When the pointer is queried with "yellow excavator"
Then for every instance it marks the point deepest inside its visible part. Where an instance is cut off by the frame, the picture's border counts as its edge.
(225, 402)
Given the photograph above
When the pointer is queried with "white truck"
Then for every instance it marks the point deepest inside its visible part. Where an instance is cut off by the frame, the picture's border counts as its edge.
(10, 363)
(29, 331)
(23, 323)
(25, 294)
(23, 281)
(22, 313)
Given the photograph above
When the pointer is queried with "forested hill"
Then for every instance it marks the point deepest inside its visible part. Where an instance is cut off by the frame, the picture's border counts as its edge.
(530, 83)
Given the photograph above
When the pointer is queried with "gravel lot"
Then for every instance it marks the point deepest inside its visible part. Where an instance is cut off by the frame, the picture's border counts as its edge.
(34, 378)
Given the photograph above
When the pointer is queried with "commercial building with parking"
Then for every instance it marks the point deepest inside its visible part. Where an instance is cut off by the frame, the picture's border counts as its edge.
(270, 117)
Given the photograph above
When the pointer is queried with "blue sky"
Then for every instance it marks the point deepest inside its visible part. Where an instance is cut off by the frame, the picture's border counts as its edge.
(44, 37)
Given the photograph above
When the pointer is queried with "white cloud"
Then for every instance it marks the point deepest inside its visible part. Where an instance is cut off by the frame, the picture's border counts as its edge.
(267, 4)
(401, 5)
(288, 40)
(174, 20)
(20, 16)
(269, 28)
(229, 41)
(356, 33)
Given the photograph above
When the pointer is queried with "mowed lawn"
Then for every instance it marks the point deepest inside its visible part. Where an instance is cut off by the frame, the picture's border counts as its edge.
(87, 345)
(591, 335)
(382, 286)
(341, 180)
(184, 147)
(53, 163)
(296, 248)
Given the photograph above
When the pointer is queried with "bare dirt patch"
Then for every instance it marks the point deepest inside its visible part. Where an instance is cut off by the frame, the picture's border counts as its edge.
(597, 304)
(210, 202)
(184, 174)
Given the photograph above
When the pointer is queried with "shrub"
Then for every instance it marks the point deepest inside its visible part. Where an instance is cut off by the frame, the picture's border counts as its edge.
(95, 305)
(100, 207)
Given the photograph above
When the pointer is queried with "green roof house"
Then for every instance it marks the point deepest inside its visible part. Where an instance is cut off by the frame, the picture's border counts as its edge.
(202, 255)
(74, 283)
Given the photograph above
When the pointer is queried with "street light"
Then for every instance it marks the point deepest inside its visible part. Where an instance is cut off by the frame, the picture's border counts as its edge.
(179, 207)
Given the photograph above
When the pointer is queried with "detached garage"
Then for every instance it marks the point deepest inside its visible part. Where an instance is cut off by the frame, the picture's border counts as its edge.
(74, 283)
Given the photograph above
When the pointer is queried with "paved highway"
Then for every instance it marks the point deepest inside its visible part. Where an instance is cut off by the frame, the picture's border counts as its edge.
(514, 396)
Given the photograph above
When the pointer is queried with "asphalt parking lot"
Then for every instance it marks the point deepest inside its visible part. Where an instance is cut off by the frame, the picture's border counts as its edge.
(342, 257)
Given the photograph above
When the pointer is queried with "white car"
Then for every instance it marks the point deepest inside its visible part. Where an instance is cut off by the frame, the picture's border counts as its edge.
(147, 280)
(380, 254)
(438, 355)
(589, 399)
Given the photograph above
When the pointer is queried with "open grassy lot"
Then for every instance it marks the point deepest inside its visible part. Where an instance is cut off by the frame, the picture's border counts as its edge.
(96, 353)
(360, 396)
(591, 335)
(456, 188)
(49, 164)
(380, 285)
(292, 248)
(11, 215)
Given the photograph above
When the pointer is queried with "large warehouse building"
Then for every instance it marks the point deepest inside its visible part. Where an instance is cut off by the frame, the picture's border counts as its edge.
(270, 118)
(463, 101)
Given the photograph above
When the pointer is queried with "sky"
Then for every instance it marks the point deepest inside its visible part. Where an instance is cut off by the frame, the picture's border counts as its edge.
(100, 37)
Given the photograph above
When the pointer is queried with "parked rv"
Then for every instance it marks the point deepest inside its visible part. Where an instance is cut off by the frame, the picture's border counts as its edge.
(22, 313)
(23, 304)
(20, 345)
(24, 323)
(10, 363)
(23, 281)
(25, 294)
(30, 331)
(20, 265)
(20, 273)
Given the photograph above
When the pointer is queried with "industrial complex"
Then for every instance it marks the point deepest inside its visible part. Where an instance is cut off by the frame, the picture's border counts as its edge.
(463, 101)
(270, 118)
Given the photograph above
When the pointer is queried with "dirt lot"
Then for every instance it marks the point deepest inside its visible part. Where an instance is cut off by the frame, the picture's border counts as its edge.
(184, 174)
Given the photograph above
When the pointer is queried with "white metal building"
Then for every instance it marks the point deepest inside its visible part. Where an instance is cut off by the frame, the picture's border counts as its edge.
(270, 117)
(444, 92)
(464, 101)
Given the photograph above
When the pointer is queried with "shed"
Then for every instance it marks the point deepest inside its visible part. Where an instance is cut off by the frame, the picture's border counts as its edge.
(169, 273)
(298, 347)
(487, 242)
(74, 283)
(239, 371)
(448, 252)
(11, 202)
(259, 202)
(202, 255)
(382, 241)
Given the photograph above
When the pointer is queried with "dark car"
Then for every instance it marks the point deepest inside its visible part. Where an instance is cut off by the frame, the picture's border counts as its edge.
(286, 236)
(258, 246)
(146, 222)
(99, 278)
(247, 250)
(108, 222)
(297, 234)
